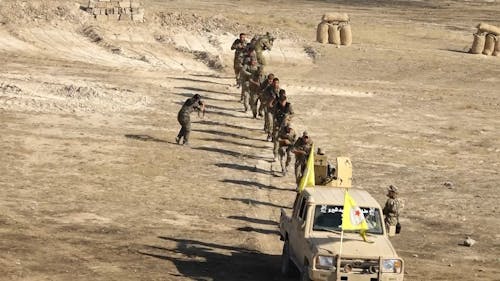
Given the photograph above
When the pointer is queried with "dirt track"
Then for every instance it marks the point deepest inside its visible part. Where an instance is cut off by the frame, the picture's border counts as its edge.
(93, 187)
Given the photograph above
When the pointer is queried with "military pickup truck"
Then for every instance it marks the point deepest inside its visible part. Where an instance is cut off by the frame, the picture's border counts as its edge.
(312, 234)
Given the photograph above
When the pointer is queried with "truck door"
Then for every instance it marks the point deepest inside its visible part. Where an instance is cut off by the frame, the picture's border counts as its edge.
(297, 233)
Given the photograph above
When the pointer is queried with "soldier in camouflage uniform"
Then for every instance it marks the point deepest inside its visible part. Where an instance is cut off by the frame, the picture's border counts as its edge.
(283, 112)
(263, 87)
(301, 149)
(392, 207)
(239, 46)
(253, 75)
(286, 139)
(184, 118)
(270, 96)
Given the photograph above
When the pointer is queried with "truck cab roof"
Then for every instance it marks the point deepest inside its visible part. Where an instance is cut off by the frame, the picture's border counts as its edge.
(335, 196)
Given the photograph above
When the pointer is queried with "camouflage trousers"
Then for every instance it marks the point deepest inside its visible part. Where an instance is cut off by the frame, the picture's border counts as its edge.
(268, 121)
(245, 95)
(300, 166)
(254, 100)
(185, 122)
(285, 157)
(237, 69)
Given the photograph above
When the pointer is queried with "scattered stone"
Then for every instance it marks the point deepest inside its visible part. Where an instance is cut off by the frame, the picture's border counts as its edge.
(449, 184)
(469, 242)
(415, 255)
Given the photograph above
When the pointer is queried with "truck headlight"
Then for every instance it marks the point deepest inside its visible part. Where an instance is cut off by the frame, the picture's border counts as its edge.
(324, 262)
(392, 266)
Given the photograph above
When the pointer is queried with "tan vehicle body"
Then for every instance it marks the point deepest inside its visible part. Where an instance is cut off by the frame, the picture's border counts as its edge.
(359, 260)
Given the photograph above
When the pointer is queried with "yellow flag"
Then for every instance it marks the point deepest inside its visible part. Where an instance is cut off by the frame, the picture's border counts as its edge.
(352, 216)
(307, 179)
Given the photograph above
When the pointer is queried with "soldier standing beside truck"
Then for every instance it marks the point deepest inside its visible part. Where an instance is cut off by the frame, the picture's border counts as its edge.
(392, 209)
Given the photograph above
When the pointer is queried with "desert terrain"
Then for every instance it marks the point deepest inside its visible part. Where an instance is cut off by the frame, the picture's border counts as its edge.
(94, 187)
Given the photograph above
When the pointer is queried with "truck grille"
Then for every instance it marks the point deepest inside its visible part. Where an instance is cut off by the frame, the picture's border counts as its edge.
(359, 266)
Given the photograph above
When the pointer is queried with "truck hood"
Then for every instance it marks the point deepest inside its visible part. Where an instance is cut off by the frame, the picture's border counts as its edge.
(352, 245)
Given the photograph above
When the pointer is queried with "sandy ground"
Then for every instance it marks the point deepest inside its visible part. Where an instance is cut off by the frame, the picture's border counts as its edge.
(93, 187)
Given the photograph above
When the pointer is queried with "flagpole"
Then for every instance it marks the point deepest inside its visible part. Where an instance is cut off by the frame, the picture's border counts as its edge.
(341, 243)
(340, 254)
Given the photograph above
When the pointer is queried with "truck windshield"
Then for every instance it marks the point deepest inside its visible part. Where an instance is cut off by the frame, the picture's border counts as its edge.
(329, 218)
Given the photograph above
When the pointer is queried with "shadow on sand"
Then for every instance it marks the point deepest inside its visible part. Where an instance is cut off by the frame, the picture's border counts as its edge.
(146, 138)
(226, 134)
(198, 260)
(255, 202)
(215, 123)
(189, 95)
(239, 167)
(256, 184)
(198, 80)
(230, 153)
(253, 220)
(204, 90)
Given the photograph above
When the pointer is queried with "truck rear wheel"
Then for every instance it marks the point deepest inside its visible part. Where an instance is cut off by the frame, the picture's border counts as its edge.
(286, 263)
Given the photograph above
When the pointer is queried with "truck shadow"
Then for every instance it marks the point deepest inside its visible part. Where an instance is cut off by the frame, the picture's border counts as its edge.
(200, 260)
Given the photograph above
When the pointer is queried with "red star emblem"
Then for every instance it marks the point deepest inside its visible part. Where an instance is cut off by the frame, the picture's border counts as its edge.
(357, 213)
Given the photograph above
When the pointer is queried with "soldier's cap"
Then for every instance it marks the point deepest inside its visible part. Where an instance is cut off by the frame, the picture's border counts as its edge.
(305, 134)
(392, 188)
(196, 97)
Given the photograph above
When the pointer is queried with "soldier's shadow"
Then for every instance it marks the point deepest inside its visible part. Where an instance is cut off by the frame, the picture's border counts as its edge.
(146, 138)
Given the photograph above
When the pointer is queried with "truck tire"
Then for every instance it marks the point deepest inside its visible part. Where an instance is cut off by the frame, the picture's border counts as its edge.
(286, 262)
(304, 274)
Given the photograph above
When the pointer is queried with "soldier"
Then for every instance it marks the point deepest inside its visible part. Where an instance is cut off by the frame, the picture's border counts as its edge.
(239, 47)
(271, 94)
(184, 118)
(391, 209)
(263, 87)
(301, 149)
(283, 112)
(261, 44)
(252, 76)
(286, 138)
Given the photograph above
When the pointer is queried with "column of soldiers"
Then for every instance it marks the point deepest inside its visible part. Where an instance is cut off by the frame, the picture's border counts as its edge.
(263, 95)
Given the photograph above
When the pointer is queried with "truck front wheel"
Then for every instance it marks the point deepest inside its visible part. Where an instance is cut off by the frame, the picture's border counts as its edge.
(304, 274)
(286, 263)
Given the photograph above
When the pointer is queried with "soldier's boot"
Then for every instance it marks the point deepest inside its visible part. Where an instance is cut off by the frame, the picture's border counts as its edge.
(261, 109)
(254, 110)
(177, 139)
